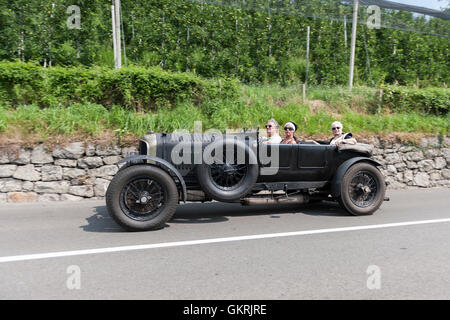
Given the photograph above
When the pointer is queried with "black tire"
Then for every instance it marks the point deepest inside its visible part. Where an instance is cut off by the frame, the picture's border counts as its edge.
(362, 189)
(228, 182)
(141, 198)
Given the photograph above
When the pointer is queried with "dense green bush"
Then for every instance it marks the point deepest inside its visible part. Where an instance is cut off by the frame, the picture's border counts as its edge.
(255, 46)
(426, 101)
(132, 87)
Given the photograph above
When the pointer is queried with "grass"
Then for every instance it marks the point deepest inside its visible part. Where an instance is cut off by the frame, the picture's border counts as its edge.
(339, 98)
(255, 106)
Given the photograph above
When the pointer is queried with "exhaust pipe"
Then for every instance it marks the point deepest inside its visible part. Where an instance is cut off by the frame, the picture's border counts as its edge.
(297, 199)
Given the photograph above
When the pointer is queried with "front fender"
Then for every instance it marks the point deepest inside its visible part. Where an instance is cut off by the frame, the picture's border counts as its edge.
(340, 172)
(161, 163)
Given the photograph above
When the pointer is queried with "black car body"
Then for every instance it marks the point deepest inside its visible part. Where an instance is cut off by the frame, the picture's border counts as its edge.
(173, 168)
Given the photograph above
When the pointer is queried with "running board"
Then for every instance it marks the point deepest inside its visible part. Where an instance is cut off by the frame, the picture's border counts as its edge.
(288, 185)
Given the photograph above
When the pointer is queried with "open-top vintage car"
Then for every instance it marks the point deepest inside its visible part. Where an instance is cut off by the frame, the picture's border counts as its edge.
(174, 168)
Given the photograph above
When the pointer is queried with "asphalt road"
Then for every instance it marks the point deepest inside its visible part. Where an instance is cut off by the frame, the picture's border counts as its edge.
(73, 250)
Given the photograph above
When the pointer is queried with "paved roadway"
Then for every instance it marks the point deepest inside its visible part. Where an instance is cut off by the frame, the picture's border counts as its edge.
(323, 258)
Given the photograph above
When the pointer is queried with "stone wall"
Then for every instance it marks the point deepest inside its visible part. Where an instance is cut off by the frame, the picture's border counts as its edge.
(79, 171)
(74, 172)
(425, 165)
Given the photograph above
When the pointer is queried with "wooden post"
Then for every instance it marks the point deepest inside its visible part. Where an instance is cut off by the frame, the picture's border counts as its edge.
(380, 95)
(304, 93)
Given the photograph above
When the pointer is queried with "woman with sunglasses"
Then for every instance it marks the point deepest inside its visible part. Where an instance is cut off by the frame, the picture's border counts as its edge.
(289, 130)
(339, 137)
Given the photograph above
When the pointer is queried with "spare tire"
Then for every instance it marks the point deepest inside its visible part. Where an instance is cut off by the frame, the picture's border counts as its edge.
(229, 175)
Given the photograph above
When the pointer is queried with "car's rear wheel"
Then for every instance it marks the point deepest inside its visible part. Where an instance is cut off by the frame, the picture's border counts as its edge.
(142, 197)
(362, 189)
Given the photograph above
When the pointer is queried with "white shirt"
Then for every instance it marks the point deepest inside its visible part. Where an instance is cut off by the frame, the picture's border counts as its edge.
(272, 139)
(340, 138)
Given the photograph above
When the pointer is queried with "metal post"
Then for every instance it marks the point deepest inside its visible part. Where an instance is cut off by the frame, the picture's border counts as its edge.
(113, 18)
(117, 27)
(345, 31)
(353, 44)
(307, 54)
(123, 39)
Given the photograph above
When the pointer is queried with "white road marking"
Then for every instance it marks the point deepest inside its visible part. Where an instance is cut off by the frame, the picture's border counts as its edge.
(208, 241)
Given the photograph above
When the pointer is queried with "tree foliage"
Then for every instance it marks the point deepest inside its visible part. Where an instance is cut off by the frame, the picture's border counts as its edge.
(255, 46)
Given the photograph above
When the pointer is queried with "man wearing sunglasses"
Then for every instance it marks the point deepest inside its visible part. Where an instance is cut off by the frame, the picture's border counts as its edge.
(339, 137)
(273, 136)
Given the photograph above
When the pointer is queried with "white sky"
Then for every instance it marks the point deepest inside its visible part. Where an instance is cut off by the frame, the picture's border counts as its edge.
(432, 4)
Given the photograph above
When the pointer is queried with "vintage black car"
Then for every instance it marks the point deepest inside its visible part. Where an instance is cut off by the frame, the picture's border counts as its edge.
(178, 167)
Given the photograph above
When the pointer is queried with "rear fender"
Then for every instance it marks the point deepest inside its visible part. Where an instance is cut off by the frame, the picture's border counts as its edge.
(160, 163)
(340, 172)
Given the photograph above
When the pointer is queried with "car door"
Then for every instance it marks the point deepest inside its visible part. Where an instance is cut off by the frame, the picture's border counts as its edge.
(313, 161)
(280, 158)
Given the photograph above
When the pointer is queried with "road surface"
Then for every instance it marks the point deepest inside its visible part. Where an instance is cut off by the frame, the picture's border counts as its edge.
(74, 250)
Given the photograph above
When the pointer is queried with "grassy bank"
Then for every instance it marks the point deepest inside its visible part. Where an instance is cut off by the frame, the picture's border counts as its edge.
(359, 112)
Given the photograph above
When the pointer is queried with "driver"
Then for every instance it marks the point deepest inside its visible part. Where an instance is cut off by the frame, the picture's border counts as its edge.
(272, 129)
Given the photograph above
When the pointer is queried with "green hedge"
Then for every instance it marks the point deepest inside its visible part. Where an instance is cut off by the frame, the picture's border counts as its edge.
(426, 101)
(132, 87)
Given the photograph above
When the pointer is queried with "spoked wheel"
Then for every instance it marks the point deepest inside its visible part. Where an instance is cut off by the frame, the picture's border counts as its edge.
(228, 178)
(142, 197)
(362, 189)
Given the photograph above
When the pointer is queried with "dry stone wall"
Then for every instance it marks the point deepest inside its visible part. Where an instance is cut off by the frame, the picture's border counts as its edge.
(73, 172)
(83, 171)
(426, 165)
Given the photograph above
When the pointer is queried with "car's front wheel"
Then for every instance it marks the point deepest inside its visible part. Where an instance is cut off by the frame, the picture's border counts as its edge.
(142, 197)
(362, 189)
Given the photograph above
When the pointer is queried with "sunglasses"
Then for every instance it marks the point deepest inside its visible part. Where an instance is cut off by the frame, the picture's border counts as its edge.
(268, 126)
(289, 128)
(337, 128)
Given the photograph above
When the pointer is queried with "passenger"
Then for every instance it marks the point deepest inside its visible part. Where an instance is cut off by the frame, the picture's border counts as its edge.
(339, 137)
(289, 129)
(272, 129)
